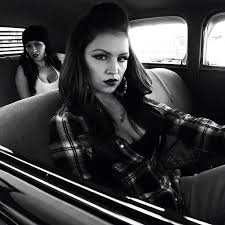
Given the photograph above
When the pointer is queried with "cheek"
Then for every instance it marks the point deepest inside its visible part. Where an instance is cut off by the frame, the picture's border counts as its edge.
(88, 62)
(29, 52)
(91, 69)
(43, 50)
(94, 67)
(124, 68)
(94, 72)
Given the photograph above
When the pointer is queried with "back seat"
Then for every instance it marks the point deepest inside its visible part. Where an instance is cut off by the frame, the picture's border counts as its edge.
(168, 87)
(8, 91)
(24, 124)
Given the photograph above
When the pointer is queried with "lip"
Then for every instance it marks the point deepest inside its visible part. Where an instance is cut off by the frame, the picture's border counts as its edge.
(35, 55)
(111, 82)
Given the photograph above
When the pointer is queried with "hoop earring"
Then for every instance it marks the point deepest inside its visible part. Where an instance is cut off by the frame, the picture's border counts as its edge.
(122, 90)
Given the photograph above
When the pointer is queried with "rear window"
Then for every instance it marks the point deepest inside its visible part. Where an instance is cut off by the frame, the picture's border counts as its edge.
(11, 40)
(161, 40)
(214, 41)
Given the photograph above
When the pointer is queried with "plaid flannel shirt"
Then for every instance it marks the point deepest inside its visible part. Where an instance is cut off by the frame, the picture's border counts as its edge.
(140, 175)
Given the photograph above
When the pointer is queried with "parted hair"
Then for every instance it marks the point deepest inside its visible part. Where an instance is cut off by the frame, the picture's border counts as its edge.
(74, 79)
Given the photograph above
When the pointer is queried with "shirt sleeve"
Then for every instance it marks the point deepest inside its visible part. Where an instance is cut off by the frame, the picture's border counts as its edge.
(197, 132)
(69, 146)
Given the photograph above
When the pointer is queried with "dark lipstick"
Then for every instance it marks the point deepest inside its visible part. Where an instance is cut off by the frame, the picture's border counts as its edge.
(111, 82)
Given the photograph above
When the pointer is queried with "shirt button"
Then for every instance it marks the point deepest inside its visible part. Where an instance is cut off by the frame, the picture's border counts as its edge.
(175, 199)
(121, 146)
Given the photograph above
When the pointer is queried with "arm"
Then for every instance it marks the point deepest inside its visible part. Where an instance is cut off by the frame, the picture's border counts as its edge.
(68, 146)
(200, 133)
(22, 83)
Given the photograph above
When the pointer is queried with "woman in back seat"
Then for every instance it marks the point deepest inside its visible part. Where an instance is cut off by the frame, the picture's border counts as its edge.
(39, 67)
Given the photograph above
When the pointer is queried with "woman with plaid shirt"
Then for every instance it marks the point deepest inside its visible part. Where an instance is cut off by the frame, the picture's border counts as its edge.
(110, 132)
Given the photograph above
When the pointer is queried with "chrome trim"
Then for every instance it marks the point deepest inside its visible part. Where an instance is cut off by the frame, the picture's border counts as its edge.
(99, 208)
(123, 218)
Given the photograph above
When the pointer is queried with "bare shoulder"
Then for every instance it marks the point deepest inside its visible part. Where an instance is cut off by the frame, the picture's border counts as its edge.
(20, 70)
(20, 73)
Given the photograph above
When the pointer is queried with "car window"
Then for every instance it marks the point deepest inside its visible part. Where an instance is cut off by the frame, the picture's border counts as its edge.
(214, 41)
(11, 40)
(161, 40)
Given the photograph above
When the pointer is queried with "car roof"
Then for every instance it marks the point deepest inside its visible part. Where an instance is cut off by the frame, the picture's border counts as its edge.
(58, 15)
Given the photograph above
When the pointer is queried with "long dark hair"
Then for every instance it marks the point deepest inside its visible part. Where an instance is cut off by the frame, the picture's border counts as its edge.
(36, 33)
(74, 80)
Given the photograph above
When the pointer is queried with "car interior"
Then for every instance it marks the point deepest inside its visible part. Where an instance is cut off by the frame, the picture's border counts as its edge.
(193, 87)
(20, 126)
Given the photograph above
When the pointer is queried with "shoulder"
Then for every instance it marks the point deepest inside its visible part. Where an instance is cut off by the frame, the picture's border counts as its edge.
(64, 118)
(20, 69)
(20, 73)
(60, 115)
(65, 113)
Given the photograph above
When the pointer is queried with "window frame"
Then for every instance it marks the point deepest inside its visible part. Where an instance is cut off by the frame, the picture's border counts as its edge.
(209, 23)
(163, 20)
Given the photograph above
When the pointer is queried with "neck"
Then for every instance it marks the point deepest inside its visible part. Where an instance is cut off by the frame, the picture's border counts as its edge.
(113, 106)
(41, 63)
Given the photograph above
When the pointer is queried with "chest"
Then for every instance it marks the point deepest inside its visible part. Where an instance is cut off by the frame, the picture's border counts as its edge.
(47, 74)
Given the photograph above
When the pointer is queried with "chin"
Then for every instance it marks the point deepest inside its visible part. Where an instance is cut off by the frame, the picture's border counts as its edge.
(39, 58)
(111, 90)
(108, 90)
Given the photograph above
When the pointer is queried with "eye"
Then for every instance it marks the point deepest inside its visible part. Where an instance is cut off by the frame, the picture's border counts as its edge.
(27, 46)
(122, 58)
(37, 44)
(100, 57)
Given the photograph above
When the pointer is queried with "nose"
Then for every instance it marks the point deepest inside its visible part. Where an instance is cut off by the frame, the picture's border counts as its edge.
(112, 67)
(34, 49)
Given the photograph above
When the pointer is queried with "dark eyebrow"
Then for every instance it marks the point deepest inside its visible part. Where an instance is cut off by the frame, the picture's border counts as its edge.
(102, 50)
(98, 49)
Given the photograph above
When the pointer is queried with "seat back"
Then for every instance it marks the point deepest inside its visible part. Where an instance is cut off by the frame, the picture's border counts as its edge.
(24, 127)
(169, 88)
(8, 90)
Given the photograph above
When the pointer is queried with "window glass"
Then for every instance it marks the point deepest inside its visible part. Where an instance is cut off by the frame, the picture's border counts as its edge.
(214, 41)
(11, 40)
(160, 40)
